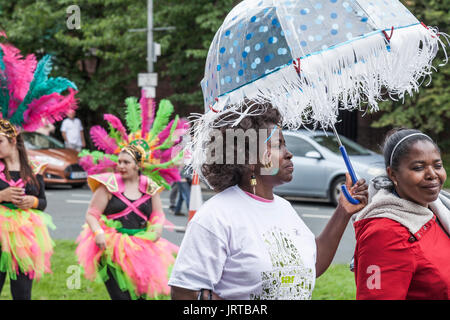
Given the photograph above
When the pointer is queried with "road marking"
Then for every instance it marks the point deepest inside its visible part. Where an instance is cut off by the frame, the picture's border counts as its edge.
(78, 201)
(175, 228)
(81, 195)
(307, 208)
(318, 216)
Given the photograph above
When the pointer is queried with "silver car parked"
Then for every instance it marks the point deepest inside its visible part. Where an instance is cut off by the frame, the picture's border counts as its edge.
(319, 169)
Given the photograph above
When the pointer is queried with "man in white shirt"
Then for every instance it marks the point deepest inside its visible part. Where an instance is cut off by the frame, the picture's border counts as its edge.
(72, 132)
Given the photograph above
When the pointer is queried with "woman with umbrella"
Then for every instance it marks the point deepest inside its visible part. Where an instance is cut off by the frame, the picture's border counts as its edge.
(246, 242)
(309, 60)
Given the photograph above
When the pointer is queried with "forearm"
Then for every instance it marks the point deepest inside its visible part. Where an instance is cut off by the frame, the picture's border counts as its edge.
(328, 241)
(93, 222)
(178, 293)
(42, 199)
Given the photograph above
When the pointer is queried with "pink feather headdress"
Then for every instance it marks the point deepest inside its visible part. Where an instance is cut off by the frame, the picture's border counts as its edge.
(145, 127)
(28, 97)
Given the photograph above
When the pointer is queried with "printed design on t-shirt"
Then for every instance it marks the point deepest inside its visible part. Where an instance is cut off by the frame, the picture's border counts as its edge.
(289, 279)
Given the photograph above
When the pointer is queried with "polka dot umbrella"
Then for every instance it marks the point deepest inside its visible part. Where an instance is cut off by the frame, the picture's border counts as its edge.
(312, 58)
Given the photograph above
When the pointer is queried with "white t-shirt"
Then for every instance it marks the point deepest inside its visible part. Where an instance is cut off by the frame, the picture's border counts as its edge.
(246, 249)
(72, 128)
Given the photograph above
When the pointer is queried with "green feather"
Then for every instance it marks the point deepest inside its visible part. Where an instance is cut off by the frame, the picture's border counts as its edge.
(2, 63)
(133, 114)
(4, 98)
(165, 109)
(157, 178)
(4, 92)
(43, 69)
(165, 165)
(41, 86)
(113, 133)
(40, 89)
(168, 143)
(98, 155)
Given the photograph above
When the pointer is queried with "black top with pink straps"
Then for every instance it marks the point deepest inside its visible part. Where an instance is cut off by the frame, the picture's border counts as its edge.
(131, 217)
(30, 189)
(133, 214)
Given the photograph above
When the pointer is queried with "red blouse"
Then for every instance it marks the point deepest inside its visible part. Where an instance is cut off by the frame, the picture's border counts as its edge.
(391, 263)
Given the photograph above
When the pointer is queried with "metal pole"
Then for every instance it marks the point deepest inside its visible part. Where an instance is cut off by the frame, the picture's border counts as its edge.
(149, 36)
(337, 135)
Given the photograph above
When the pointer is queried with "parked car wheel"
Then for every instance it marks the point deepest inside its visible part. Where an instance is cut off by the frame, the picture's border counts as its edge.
(335, 189)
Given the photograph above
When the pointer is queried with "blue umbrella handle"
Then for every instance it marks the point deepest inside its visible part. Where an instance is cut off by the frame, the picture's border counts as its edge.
(352, 175)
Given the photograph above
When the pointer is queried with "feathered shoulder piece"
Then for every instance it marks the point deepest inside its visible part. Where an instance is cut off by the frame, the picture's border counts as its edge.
(144, 127)
(28, 97)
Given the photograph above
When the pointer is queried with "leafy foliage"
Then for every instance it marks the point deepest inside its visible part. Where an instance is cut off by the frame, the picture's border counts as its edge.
(428, 110)
(103, 58)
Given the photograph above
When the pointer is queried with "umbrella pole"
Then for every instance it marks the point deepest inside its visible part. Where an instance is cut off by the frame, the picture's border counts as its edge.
(349, 169)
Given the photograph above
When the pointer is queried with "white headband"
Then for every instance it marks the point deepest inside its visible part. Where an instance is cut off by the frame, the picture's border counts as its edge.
(403, 139)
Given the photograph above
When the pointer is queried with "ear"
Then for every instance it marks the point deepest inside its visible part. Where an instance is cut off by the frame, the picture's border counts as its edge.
(13, 141)
(391, 175)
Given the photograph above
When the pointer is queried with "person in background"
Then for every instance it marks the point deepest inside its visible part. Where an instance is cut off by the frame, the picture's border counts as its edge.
(184, 191)
(402, 236)
(73, 132)
(173, 196)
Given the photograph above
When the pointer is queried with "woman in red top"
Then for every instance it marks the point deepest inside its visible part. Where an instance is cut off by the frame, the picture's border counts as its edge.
(403, 244)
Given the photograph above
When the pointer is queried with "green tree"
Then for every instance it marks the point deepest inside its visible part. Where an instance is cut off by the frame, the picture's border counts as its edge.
(428, 110)
(185, 50)
(102, 58)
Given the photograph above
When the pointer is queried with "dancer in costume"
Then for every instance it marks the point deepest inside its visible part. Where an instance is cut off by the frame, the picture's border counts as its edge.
(28, 99)
(121, 243)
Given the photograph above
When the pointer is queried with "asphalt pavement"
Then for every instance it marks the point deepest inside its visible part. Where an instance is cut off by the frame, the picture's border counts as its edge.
(68, 206)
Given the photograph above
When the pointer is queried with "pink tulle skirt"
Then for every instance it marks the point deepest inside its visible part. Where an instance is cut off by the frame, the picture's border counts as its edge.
(139, 264)
(25, 242)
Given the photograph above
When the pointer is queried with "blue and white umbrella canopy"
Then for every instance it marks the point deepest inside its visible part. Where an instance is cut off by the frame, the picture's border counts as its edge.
(312, 58)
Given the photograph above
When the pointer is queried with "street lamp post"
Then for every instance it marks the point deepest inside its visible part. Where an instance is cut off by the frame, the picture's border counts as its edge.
(149, 81)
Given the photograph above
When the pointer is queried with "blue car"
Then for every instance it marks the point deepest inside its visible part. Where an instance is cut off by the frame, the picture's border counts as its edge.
(319, 169)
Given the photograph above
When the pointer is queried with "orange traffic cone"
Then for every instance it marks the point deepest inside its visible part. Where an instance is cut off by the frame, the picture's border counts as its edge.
(195, 200)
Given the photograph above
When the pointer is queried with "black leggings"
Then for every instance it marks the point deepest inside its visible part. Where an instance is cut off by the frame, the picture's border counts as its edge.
(114, 290)
(20, 288)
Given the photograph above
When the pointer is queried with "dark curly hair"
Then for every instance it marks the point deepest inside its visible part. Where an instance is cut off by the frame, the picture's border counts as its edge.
(261, 116)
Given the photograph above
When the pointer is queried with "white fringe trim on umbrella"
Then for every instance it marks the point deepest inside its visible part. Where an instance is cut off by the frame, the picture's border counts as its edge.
(341, 77)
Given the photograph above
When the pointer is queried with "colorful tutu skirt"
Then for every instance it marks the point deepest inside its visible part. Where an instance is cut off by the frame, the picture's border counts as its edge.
(139, 265)
(25, 242)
